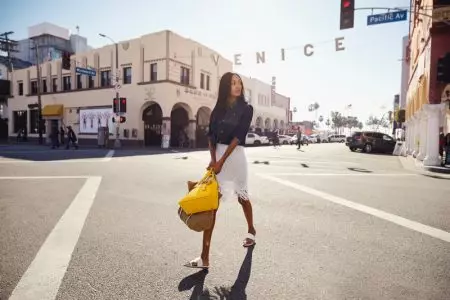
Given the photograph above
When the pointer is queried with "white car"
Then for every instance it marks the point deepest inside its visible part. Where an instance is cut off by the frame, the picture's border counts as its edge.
(284, 139)
(256, 139)
(313, 138)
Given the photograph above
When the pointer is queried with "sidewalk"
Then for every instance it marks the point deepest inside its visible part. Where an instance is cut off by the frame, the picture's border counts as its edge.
(412, 164)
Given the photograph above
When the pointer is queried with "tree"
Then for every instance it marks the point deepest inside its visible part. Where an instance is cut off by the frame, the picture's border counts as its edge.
(373, 121)
(328, 123)
(337, 120)
(314, 107)
(360, 125)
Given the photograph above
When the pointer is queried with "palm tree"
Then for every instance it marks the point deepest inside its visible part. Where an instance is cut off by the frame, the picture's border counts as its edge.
(314, 107)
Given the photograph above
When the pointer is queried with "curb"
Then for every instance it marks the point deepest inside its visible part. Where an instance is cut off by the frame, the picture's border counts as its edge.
(410, 163)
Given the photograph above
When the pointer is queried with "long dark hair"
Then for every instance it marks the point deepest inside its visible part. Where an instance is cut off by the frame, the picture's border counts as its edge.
(225, 90)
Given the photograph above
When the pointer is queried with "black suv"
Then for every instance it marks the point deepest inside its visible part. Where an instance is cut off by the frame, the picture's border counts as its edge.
(371, 141)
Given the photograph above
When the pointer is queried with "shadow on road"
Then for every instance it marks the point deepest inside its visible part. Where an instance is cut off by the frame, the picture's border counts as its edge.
(39, 153)
(235, 292)
(360, 170)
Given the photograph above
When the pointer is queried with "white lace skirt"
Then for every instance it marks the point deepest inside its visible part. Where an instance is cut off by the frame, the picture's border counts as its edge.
(233, 176)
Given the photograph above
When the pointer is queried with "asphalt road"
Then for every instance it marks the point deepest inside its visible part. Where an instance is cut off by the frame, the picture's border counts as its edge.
(331, 224)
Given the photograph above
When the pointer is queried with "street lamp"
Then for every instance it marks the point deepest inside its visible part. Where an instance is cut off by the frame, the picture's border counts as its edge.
(117, 140)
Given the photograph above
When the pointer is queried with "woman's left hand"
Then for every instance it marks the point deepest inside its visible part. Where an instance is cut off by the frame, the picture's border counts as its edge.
(217, 167)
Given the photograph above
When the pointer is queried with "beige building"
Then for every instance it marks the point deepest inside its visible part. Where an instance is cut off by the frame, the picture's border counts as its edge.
(271, 110)
(170, 84)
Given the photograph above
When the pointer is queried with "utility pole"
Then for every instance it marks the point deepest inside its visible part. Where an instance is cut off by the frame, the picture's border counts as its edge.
(117, 143)
(39, 81)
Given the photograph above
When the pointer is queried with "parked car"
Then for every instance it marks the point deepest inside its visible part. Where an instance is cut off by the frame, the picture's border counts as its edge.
(371, 141)
(256, 139)
(284, 139)
(336, 138)
(313, 138)
(293, 140)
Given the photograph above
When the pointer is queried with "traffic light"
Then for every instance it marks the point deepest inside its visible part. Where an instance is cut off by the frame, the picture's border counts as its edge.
(115, 105)
(120, 105)
(443, 69)
(123, 105)
(399, 116)
(347, 14)
(66, 60)
(120, 119)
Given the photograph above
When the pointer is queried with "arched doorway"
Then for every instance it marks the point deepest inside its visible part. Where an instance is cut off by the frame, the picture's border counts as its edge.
(179, 124)
(152, 117)
(203, 116)
(275, 124)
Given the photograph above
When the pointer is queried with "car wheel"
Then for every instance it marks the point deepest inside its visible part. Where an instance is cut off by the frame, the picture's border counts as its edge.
(368, 148)
(352, 149)
(257, 143)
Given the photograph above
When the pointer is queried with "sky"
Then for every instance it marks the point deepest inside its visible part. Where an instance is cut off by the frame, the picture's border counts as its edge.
(367, 74)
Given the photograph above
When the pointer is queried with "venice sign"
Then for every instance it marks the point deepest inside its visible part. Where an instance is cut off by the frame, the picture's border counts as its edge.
(308, 50)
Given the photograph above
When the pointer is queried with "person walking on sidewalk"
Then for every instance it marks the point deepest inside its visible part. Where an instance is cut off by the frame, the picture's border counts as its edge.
(229, 124)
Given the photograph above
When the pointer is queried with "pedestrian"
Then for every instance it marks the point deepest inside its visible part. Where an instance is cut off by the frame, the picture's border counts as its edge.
(62, 134)
(71, 138)
(229, 124)
(299, 138)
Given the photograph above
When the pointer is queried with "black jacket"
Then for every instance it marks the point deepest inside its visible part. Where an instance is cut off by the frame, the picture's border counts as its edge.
(233, 122)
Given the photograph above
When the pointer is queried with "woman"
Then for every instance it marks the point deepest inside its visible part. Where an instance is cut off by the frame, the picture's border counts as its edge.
(228, 128)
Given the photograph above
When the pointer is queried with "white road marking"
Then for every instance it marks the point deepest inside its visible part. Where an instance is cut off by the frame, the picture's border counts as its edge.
(412, 225)
(45, 273)
(341, 174)
(41, 177)
(108, 155)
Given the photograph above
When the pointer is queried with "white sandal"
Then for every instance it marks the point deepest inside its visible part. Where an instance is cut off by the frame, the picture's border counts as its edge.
(252, 241)
(196, 263)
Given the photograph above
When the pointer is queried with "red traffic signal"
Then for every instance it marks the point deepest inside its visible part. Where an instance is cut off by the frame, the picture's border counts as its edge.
(123, 105)
(347, 14)
(120, 106)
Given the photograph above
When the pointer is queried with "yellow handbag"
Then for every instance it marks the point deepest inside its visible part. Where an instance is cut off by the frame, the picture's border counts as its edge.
(203, 197)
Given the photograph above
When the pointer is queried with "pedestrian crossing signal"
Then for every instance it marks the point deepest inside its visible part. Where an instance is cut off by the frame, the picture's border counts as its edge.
(120, 119)
(347, 14)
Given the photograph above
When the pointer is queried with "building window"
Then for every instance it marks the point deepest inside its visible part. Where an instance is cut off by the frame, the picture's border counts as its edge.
(79, 83)
(127, 75)
(66, 83)
(202, 80)
(19, 120)
(105, 78)
(208, 78)
(44, 85)
(34, 88)
(154, 72)
(20, 88)
(91, 82)
(184, 78)
(55, 85)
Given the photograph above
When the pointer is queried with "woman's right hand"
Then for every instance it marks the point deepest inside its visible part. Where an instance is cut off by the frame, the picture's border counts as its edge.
(211, 165)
